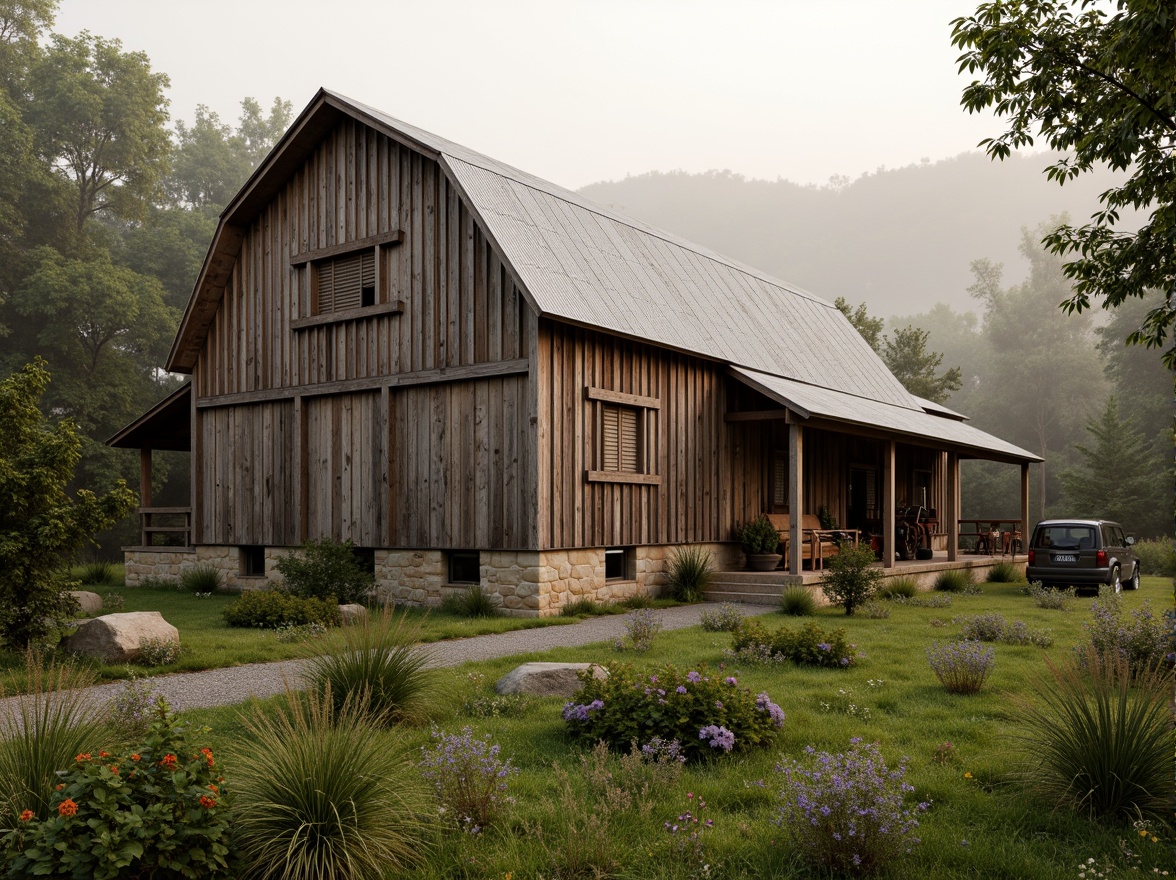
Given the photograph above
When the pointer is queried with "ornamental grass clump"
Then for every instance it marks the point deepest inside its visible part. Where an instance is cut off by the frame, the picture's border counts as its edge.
(1051, 598)
(378, 667)
(956, 580)
(468, 777)
(851, 578)
(904, 587)
(961, 667)
(797, 601)
(202, 579)
(1004, 573)
(322, 794)
(707, 713)
(690, 573)
(1098, 740)
(753, 642)
(153, 810)
(847, 812)
(474, 602)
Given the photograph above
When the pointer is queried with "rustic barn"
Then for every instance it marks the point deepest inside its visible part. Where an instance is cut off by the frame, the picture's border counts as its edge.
(477, 376)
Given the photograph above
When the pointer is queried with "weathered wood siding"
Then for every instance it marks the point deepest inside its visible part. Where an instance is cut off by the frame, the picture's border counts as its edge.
(368, 453)
(711, 472)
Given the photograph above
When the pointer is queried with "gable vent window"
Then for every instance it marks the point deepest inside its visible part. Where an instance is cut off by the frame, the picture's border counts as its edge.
(625, 445)
(347, 282)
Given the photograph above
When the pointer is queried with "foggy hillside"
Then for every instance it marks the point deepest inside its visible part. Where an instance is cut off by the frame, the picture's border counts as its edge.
(898, 239)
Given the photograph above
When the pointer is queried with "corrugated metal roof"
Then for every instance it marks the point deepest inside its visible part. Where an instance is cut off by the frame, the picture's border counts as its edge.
(810, 401)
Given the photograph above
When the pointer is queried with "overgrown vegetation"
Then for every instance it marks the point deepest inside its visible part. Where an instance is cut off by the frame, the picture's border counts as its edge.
(690, 573)
(1004, 573)
(956, 580)
(474, 602)
(326, 569)
(905, 587)
(797, 600)
(811, 645)
(271, 609)
(202, 579)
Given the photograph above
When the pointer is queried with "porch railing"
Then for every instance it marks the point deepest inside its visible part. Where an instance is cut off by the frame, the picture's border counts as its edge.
(173, 525)
(992, 535)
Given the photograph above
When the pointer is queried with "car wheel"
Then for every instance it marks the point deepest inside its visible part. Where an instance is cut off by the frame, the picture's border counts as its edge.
(1133, 584)
(1116, 580)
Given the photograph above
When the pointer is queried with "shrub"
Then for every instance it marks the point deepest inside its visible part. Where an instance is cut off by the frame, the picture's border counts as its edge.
(934, 600)
(758, 536)
(491, 705)
(132, 710)
(956, 580)
(270, 609)
(49, 723)
(983, 627)
(847, 812)
(377, 668)
(113, 601)
(468, 777)
(690, 573)
(797, 601)
(474, 602)
(1099, 738)
(851, 578)
(1142, 639)
(1004, 573)
(583, 608)
(1050, 598)
(153, 810)
(326, 569)
(202, 579)
(158, 652)
(725, 618)
(99, 573)
(637, 779)
(641, 627)
(808, 646)
(905, 587)
(961, 667)
(637, 600)
(1157, 557)
(708, 714)
(321, 794)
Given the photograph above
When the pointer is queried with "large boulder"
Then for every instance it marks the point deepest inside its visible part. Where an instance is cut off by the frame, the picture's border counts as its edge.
(352, 614)
(89, 603)
(116, 638)
(547, 679)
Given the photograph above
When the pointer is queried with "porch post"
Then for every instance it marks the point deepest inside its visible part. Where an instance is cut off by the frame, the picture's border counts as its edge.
(1025, 503)
(144, 493)
(888, 533)
(796, 501)
(953, 506)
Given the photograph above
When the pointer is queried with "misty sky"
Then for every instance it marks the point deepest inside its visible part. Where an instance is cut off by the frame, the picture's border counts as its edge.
(582, 92)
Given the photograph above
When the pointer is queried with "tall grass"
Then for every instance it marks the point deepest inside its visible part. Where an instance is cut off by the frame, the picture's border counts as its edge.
(690, 573)
(1099, 738)
(955, 580)
(475, 602)
(797, 601)
(905, 587)
(377, 668)
(47, 727)
(1004, 573)
(321, 795)
(99, 573)
(202, 579)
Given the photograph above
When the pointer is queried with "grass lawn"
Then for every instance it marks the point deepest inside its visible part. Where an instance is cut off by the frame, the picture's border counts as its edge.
(981, 823)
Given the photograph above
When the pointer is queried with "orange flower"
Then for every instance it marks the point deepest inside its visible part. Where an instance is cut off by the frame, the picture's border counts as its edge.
(207, 755)
(214, 789)
(169, 762)
(84, 756)
(67, 807)
(114, 769)
(135, 757)
(26, 816)
(207, 802)
(59, 786)
(104, 754)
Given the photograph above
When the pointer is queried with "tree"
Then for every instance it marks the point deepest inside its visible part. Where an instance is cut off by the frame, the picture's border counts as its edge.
(41, 525)
(100, 117)
(869, 328)
(1100, 83)
(907, 357)
(1115, 478)
(21, 25)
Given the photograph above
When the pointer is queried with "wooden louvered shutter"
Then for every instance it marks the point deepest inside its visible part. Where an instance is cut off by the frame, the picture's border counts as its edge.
(620, 444)
(343, 280)
(629, 446)
(610, 439)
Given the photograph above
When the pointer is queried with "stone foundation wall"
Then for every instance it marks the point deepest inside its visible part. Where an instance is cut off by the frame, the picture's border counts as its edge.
(158, 562)
(171, 562)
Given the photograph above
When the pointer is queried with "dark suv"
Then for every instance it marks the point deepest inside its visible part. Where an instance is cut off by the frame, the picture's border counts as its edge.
(1082, 553)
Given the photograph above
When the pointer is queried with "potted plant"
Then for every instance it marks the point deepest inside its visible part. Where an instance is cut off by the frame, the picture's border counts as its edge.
(760, 540)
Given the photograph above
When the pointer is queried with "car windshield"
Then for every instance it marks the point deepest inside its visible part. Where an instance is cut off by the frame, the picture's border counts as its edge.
(1066, 537)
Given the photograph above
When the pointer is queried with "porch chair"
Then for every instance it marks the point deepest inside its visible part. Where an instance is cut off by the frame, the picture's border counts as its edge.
(825, 541)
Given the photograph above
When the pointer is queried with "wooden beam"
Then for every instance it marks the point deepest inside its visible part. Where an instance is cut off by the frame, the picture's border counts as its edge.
(759, 415)
(395, 236)
(1025, 503)
(610, 396)
(888, 524)
(796, 502)
(463, 373)
(621, 477)
(299, 476)
(145, 477)
(396, 307)
(953, 506)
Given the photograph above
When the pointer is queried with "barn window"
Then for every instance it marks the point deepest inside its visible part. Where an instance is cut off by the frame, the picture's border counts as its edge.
(625, 448)
(252, 561)
(465, 567)
(618, 564)
(346, 282)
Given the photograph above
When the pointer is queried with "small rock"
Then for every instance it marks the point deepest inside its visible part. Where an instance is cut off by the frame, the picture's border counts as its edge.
(89, 603)
(352, 614)
(115, 638)
(546, 679)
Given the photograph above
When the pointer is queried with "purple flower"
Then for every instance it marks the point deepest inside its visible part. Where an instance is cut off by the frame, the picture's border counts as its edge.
(718, 737)
(825, 646)
(764, 703)
(730, 679)
(681, 689)
(693, 676)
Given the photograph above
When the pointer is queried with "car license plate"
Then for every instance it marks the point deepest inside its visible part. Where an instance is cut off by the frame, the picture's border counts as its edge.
(1065, 557)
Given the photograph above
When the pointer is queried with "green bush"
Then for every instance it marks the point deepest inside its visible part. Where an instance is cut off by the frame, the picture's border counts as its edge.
(725, 618)
(1099, 739)
(808, 646)
(202, 579)
(326, 569)
(583, 608)
(851, 578)
(905, 587)
(1051, 598)
(1142, 640)
(474, 602)
(797, 601)
(955, 580)
(1157, 557)
(758, 536)
(270, 609)
(708, 714)
(376, 667)
(1004, 573)
(99, 573)
(151, 811)
(49, 723)
(320, 794)
(690, 573)
(158, 652)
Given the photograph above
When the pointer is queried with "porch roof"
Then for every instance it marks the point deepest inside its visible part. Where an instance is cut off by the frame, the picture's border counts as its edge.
(931, 424)
(167, 425)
